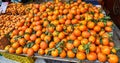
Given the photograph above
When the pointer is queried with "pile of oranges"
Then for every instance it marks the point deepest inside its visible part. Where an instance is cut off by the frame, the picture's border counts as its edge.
(72, 29)
(7, 24)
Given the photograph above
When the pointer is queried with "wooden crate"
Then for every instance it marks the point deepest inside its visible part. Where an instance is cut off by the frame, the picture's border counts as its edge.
(4, 42)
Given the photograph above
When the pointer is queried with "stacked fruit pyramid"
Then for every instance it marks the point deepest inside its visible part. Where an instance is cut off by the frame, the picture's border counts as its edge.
(70, 29)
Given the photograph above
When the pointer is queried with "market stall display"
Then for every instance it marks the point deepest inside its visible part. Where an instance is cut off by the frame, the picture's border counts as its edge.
(7, 24)
(66, 30)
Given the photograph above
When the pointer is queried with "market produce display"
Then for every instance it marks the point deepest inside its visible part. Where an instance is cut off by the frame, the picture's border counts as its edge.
(17, 9)
(7, 24)
(71, 29)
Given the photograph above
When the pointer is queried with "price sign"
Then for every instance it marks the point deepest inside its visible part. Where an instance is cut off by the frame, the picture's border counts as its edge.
(3, 7)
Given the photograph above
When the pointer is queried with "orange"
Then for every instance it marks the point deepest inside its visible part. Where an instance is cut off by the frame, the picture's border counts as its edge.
(69, 46)
(97, 42)
(80, 55)
(92, 56)
(63, 54)
(113, 58)
(35, 47)
(74, 21)
(33, 37)
(92, 39)
(98, 49)
(77, 17)
(92, 47)
(109, 23)
(70, 54)
(51, 29)
(15, 32)
(111, 44)
(37, 41)
(56, 39)
(76, 43)
(105, 50)
(54, 53)
(80, 38)
(61, 35)
(38, 33)
(101, 32)
(37, 28)
(43, 45)
(25, 50)
(72, 37)
(82, 28)
(27, 37)
(21, 33)
(47, 38)
(90, 24)
(69, 16)
(101, 24)
(97, 28)
(105, 41)
(36, 18)
(84, 41)
(92, 32)
(19, 50)
(102, 57)
(42, 36)
(22, 41)
(52, 44)
(28, 30)
(30, 52)
(62, 21)
(77, 32)
(108, 29)
(59, 28)
(45, 23)
(67, 22)
(15, 45)
(11, 50)
(85, 34)
(81, 48)
(41, 52)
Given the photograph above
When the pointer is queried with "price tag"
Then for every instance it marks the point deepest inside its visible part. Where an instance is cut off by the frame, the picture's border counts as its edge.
(3, 7)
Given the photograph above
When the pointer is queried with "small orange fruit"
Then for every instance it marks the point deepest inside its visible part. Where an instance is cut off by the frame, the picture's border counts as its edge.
(19, 50)
(92, 56)
(63, 54)
(92, 47)
(76, 43)
(105, 50)
(70, 54)
(80, 55)
(25, 50)
(11, 50)
(113, 58)
(54, 53)
(41, 52)
(43, 45)
(102, 57)
(30, 52)
(52, 44)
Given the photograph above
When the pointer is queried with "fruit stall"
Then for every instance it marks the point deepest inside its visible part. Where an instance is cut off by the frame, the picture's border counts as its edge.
(58, 30)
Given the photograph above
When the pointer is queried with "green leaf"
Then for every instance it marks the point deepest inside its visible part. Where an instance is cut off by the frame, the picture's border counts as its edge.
(29, 45)
(101, 40)
(87, 51)
(70, 41)
(0, 54)
(59, 50)
(107, 17)
(74, 50)
(60, 44)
